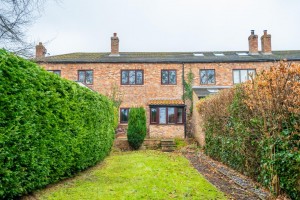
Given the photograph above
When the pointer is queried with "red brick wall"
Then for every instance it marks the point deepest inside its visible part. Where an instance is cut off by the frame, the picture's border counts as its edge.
(108, 74)
(223, 71)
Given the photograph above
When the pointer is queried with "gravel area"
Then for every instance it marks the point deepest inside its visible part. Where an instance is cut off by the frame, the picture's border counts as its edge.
(229, 181)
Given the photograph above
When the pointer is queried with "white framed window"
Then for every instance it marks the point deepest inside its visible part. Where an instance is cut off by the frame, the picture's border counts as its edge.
(242, 75)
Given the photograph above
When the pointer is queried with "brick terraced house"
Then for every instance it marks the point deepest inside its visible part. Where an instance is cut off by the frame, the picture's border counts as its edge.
(155, 80)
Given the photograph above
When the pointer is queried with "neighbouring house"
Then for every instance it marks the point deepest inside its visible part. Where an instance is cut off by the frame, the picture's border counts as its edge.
(155, 80)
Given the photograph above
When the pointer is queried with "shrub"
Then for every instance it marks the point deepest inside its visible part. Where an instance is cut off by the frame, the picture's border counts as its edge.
(116, 117)
(50, 128)
(254, 128)
(137, 128)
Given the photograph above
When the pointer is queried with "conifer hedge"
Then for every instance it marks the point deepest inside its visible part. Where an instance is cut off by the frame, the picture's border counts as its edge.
(50, 128)
(137, 127)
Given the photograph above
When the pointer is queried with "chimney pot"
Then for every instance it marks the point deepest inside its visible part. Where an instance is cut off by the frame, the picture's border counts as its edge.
(253, 43)
(266, 43)
(114, 45)
(40, 50)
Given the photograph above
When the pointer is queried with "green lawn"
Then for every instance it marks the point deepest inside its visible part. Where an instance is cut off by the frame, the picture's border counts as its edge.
(136, 175)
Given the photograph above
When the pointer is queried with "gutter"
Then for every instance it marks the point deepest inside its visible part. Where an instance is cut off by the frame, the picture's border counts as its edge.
(171, 61)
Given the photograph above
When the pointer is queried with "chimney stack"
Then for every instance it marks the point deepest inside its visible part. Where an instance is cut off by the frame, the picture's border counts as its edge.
(266, 43)
(253, 43)
(40, 50)
(114, 45)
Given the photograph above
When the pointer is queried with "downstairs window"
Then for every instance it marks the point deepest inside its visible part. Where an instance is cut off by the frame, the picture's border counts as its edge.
(166, 115)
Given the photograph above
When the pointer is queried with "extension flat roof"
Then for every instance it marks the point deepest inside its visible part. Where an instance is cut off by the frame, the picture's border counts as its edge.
(171, 57)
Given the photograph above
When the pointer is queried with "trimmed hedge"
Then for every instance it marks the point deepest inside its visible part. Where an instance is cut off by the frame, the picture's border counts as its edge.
(255, 128)
(50, 128)
(137, 127)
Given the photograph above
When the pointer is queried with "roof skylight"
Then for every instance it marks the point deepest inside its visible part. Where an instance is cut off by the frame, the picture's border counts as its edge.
(242, 54)
(198, 54)
(219, 54)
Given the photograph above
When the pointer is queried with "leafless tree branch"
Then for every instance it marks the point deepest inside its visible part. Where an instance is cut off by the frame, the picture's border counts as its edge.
(15, 17)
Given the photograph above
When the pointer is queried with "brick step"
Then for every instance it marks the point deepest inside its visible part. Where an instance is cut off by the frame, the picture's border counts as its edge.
(167, 142)
(168, 145)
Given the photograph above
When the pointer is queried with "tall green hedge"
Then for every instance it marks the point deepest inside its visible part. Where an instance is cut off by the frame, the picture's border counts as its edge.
(137, 127)
(50, 128)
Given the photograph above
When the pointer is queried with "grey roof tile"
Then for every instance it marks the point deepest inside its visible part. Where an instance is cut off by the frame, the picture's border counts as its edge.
(170, 57)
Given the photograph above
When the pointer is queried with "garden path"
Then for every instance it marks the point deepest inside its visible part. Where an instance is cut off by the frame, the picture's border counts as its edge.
(232, 183)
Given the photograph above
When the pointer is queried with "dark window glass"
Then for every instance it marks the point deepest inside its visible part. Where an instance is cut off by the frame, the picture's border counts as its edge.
(242, 75)
(153, 115)
(168, 77)
(207, 76)
(125, 77)
(132, 77)
(164, 77)
(139, 77)
(180, 115)
(89, 77)
(172, 77)
(85, 76)
(171, 115)
(124, 115)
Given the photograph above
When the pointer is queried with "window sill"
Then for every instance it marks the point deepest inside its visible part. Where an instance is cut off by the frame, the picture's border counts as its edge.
(132, 85)
(167, 124)
(208, 84)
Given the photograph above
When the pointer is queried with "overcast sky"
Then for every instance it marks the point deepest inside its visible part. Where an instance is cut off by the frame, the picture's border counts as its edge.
(165, 25)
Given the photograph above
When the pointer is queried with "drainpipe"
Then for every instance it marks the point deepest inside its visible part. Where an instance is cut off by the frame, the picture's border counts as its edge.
(183, 100)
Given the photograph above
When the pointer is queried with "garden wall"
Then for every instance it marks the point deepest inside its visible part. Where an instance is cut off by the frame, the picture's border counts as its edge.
(123, 145)
(197, 124)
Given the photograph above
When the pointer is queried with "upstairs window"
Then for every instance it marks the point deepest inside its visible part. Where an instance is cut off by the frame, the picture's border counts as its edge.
(57, 72)
(124, 113)
(242, 75)
(166, 115)
(168, 77)
(132, 77)
(207, 76)
(85, 76)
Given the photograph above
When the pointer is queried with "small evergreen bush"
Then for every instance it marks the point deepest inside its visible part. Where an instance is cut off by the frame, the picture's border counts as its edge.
(50, 128)
(137, 128)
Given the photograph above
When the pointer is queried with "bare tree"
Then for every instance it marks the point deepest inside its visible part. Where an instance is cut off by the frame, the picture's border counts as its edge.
(15, 17)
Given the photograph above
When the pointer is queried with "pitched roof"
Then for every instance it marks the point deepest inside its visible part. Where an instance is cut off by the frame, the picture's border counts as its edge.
(166, 102)
(172, 57)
